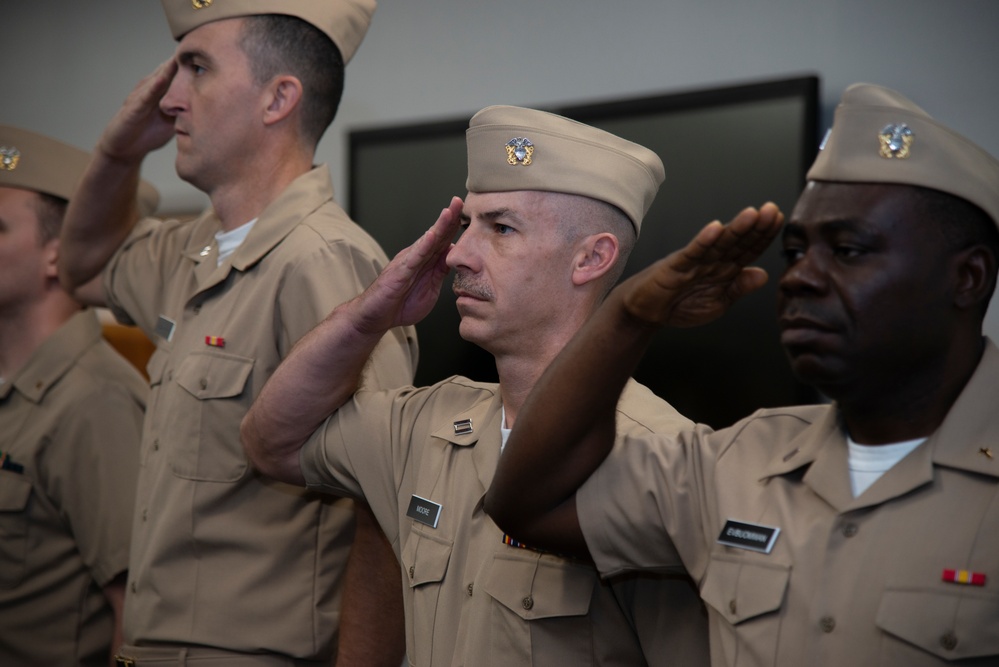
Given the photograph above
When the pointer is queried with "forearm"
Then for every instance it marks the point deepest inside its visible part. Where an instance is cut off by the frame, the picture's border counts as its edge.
(314, 380)
(372, 620)
(98, 219)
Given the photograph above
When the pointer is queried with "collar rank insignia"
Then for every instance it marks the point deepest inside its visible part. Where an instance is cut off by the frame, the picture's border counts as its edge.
(895, 139)
(463, 427)
(9, 157)
(519, 150)
(201, 4)
(964, 577)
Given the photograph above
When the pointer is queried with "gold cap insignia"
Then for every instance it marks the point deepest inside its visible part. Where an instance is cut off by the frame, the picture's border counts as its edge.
(519, 150)
(895, 141)
(200, 4)
(9, 157)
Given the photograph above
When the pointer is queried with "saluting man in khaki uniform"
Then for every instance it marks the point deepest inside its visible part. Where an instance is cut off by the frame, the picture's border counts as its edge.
(863, 532)
(553, 210)
(70, 422)
(228, 567)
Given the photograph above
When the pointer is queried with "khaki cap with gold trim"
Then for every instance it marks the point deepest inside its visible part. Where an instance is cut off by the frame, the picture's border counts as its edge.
(343, 21)
(512, 148)
(33, 161)
(880, 136)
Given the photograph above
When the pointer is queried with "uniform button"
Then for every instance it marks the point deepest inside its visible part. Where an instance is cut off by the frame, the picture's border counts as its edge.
(169, 376)
(133, 586)
(145, 514)
(197, 309)
(528, 602)
(412, 570)
(850, 529)
(828, 624)
(731, 606)
(204, 383)
(156, 445)
(470, 590)
(949, 641)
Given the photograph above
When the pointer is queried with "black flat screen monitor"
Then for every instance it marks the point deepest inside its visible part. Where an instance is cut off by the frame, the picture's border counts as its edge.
(723, 148)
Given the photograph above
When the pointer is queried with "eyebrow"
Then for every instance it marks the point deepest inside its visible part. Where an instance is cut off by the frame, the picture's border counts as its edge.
(188, 56)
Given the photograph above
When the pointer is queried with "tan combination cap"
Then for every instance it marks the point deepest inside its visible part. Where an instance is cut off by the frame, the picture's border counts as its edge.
(512, 148)
(33, 161)
(343, 21)
(880, 136)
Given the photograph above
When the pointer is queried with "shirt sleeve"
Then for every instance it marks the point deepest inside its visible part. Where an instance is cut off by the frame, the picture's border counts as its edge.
(90, 474)
(641, 509)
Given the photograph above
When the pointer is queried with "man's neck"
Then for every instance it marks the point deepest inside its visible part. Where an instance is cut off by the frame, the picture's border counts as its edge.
(238, 202)
(23, 331)
(913, 407)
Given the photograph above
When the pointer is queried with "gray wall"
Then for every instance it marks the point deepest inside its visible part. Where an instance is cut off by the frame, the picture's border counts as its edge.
(67, 65)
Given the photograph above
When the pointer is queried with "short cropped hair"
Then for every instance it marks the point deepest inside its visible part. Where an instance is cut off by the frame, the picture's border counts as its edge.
(961, 223)
(581, 216)
(50, 211)
(277, 44)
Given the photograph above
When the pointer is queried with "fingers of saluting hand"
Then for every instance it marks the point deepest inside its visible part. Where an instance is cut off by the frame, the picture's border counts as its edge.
(433, 246)
(699, 282)
(736, 244)
(140, 126)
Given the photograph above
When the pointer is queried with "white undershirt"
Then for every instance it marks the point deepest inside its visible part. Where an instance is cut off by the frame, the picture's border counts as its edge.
(504, 431)
(229, 241)
(868, 462)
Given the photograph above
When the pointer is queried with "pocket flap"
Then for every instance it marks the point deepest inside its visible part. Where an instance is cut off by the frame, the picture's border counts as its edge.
(952, 626)
(425, 558)
(207, 375)
(739, 589)
(534, 587)
(14, 492)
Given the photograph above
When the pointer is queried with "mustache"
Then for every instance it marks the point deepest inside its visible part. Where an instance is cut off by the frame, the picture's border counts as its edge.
(466, 284)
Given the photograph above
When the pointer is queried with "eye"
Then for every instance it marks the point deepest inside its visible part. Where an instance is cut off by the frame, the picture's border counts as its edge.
(792, 253)
(502, 229)
(845, 251)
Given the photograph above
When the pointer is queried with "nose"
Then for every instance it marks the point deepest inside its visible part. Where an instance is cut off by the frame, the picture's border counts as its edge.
(172, 103)
(804, 274)
(462, 254)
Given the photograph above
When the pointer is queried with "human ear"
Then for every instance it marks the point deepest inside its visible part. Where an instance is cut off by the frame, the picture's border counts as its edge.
(284, 95)
(976, 276)
(595, 256)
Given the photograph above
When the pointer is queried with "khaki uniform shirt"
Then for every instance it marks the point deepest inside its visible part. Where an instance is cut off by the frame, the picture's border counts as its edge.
(849, 581)
(70, 422)
(470, 598)
(222, 557)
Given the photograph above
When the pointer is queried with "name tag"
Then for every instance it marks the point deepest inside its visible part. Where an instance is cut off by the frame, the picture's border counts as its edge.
(164, 328)
(748, 536)
(425, 511)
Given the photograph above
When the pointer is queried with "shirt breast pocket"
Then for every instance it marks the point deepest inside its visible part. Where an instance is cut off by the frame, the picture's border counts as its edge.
(15, 493)
(425, 559)
(936, 625)
(747, 594)
(207, 416)
(541, 605)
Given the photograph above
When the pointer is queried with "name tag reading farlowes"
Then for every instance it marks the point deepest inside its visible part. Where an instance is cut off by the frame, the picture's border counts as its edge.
(748, 536)
(425, 511)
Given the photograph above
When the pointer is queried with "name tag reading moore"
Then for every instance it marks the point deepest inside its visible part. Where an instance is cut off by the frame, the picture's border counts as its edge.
(748, 536)
(425, 511)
